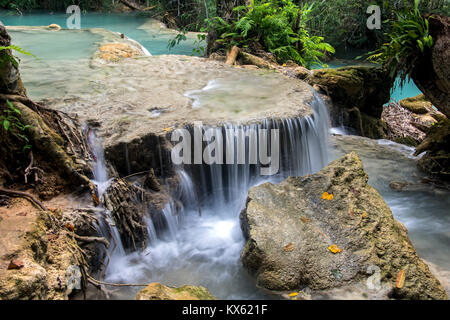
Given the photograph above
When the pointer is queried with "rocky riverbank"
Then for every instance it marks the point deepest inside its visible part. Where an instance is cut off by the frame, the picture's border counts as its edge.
(331, 231)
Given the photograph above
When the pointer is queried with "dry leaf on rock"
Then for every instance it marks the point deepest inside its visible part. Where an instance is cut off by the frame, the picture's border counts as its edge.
(289, 247)
(334, 248)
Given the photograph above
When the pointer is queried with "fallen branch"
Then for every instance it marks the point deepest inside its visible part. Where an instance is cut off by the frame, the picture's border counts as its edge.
(248, 58)
(98, 283)
(25, 195)
(232, 55)
(92, 239)
(131, 4)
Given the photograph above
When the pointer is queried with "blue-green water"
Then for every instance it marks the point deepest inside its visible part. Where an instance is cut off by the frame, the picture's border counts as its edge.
(129, 24)
(153, 40)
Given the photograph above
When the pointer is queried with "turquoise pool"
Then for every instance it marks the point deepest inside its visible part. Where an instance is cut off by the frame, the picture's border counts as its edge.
(148, 33)
(134, 26)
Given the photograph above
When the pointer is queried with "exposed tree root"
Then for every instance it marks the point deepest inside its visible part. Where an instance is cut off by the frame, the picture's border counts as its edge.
(97, 282)
(52, 133)
(30, 169)
(24, 195)
(232, 55)
(92, 239)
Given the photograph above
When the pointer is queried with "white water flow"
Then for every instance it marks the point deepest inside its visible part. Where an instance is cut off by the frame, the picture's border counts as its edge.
(201, 245)
(106, 225)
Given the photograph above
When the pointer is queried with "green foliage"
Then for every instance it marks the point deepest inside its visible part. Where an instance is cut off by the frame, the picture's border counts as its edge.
(199, 49)
(343, 22)
(177, 39)
(199, 43)
(10, 58)
(408, 41)
(279, 26)
(10, 123)
(186, 15)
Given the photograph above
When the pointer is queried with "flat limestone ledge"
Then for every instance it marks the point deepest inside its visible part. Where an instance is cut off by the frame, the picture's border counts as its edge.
(131, 95)
(138, 97)
(107, 37)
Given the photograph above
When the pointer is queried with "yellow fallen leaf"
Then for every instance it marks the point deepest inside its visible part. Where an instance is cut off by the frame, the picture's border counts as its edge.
(289, 247)
(168, 129)
(400, 282)
(293, 294)
(364, 215)
(327, 196)
(284, 64)
(334, 248)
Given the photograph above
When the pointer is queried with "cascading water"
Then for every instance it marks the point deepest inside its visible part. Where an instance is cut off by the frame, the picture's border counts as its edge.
(202, 243)
(106, 226)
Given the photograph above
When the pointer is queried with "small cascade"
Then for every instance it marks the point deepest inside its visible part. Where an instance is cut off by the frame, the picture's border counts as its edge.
(106, 225)
(302, 149)
(200, 240)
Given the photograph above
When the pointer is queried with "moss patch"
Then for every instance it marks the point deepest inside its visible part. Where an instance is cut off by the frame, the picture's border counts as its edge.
(418, 104)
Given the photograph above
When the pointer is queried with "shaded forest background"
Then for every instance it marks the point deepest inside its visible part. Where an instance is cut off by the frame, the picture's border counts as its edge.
(341, 22)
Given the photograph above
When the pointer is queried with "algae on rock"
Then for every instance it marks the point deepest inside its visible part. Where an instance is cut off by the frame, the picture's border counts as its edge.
(358, 94)
(157, 291)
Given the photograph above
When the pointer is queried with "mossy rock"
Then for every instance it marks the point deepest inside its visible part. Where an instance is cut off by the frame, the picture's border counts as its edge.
(418, 104)
(158, 291)
(365, 125)
(358, 94)
(408, 140)
(366, 87)
(436, 161)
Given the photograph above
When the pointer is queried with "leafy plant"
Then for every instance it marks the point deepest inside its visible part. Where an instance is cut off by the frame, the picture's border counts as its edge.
(408, 41)
(10, 58)
(10, 123)
(177, 39)
(343, 22)
(199, 49)
(279, 26)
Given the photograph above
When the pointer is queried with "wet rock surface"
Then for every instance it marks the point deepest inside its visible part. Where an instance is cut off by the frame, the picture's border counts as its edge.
(157, 291)
(140, 99)
(114, 52)
(358, 94)
(129, 206)
(436, 161)
(331, 231)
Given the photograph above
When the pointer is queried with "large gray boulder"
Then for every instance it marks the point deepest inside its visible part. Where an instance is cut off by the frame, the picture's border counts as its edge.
(331, 230)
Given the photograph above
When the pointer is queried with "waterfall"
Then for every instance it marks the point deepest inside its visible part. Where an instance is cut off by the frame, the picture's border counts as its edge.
(106, 226)
(303, 150)
(201, 239)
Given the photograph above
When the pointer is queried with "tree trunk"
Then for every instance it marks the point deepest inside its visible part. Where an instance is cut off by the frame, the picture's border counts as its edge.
(10, 81)
(57, 140)
(432, 74)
